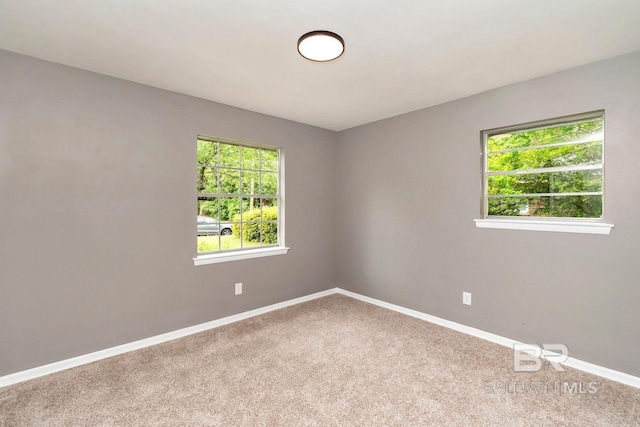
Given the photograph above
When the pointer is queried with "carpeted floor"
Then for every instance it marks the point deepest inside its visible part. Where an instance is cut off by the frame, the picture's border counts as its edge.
(334, 361)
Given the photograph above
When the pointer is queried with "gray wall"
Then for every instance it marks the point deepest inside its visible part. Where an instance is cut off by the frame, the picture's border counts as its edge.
(409, 189)
(97, 213)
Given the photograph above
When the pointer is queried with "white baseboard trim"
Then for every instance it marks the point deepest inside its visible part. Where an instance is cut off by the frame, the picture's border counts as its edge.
(147, 342)
(51, 368)
(571, 362)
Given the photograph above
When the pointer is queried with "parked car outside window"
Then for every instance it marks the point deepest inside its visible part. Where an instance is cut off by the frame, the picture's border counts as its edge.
(208, 226)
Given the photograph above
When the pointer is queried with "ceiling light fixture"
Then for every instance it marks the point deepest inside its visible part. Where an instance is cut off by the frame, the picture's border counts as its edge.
(321, 46)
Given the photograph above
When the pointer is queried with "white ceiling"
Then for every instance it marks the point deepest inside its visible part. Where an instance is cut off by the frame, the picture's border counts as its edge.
(400, 56)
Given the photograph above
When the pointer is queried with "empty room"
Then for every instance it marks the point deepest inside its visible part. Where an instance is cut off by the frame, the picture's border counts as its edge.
(336, 213)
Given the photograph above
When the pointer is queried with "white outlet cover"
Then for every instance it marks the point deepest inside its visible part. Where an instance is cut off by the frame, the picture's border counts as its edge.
(238, 288)
(466, 298)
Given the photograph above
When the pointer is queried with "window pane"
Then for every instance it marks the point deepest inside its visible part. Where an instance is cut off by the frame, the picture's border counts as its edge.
(250, 209)
(231, 241)
(547, 206)
(269, 183)
(269, 229)
(208, 243)
(251, 234)
(226, 228)
(229, 155)
(207, 224)
(207, 153)
(229, 181)
(269, 232)
(250, 182)
(207, 180)
(249, 205)
(269, 160)
(576, 131)
(250, 158)
(550, 157)
(230, 207)
(551, 182)
(208, 207)
(269, 209)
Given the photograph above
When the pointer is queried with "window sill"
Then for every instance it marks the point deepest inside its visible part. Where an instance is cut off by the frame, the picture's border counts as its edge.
(239, 255)
(557, 226)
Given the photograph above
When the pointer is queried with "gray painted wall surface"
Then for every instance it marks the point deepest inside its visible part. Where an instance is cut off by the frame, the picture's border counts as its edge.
(97, 213)
(410, 187)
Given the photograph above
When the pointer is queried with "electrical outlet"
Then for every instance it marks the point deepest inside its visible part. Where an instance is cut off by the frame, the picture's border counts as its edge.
(466, 298)
(238, 288)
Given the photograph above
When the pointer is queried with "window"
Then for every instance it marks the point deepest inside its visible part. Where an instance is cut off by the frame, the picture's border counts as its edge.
(546, 171)
(240, 203)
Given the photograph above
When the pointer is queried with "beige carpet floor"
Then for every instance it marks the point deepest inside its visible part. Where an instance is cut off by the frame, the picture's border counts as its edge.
(334, 361)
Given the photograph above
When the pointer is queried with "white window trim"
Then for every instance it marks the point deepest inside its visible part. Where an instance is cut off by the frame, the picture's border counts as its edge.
(205, 259)
(557, 226)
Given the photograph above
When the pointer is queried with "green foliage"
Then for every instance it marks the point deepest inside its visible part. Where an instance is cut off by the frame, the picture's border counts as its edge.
(210, 243)
(510, 206)
(533, 152)
(227, 172)
(253, 228)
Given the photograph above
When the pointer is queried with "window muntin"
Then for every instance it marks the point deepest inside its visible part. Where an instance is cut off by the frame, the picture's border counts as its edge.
(552, 169)
(239, 188)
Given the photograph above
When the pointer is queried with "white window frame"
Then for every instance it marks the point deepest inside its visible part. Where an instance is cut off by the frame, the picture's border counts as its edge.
(248, 253)
(562, 224)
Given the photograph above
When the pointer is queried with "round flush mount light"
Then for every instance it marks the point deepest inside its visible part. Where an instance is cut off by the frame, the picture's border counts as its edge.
(321, 46)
